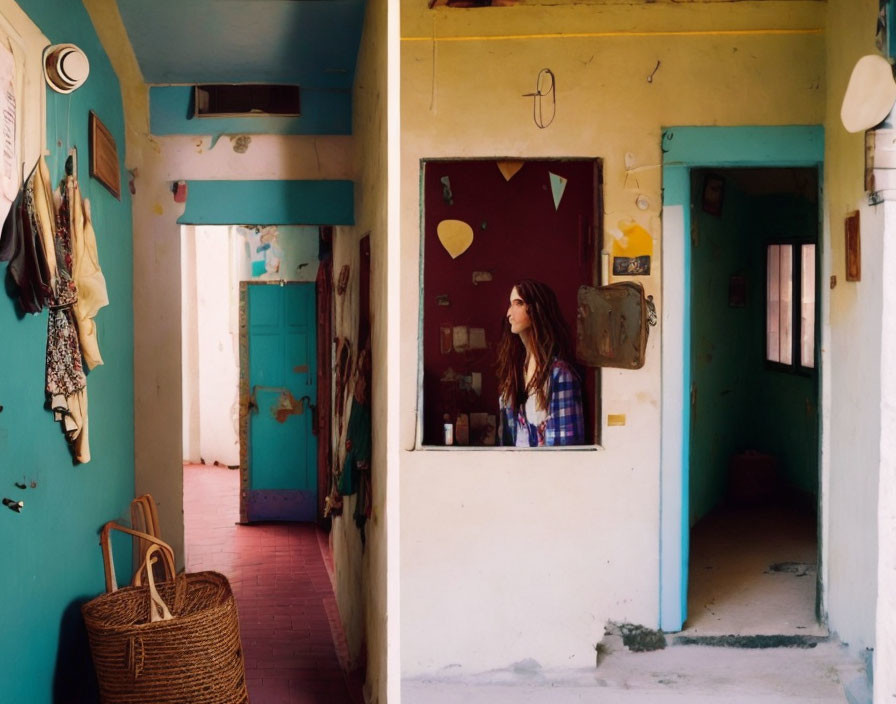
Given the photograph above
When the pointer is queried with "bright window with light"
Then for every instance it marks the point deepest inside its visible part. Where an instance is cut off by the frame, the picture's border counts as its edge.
(790, 305)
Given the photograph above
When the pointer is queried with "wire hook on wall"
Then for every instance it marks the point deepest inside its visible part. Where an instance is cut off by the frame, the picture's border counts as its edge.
(545, 89)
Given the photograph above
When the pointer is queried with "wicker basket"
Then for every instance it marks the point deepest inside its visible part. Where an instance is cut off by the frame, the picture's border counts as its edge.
(145, 654)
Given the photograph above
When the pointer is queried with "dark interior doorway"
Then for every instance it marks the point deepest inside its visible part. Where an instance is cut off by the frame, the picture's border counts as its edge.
(754, 441)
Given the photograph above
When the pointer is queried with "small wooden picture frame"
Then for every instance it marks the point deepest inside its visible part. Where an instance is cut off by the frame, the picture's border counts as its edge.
(853, 247)
(737, 291)
(104, 156)
(713, 194)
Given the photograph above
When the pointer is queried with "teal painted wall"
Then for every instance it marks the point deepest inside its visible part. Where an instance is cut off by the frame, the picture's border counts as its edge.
(741, 403)
(269, 203)
(50, 555)
(720, 341)
(323, 112)
(789, 427)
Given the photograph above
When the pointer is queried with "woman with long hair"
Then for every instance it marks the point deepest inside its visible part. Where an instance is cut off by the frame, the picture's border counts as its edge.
(540, 391)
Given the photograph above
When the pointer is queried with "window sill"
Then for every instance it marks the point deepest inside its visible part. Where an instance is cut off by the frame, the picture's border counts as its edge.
(502, 448)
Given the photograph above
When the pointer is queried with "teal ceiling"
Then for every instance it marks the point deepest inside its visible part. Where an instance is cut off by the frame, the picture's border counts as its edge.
(313, 43)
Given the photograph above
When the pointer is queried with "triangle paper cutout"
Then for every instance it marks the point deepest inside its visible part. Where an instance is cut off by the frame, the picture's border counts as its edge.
(508, 168)
(558, 185)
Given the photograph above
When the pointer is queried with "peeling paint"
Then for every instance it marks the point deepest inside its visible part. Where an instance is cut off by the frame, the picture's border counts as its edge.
(301, 369)
(287, 405)
(241, 143)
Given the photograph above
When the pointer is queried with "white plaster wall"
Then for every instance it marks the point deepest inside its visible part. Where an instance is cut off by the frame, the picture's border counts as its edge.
(508, 555)
(345, 539)
(361, 572)
(189, 345)
(361, 576)
(885, 642)
(217, 336)
(852, 438)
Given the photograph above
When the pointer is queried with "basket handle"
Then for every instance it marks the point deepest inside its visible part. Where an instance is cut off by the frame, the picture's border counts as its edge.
(149, 560)
(158, 609)
(108, 563)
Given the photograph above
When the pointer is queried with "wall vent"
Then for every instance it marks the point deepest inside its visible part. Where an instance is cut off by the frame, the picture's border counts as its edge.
(246, 100)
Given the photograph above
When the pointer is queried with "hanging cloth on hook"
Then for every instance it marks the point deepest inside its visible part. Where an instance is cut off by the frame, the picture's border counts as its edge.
(89, 279)
(66, 383)
(27, 243)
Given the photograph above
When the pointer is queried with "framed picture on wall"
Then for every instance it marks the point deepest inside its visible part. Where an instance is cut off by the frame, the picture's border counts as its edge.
(104, 156)
(713, 194)
(737, 291)
(853, 247)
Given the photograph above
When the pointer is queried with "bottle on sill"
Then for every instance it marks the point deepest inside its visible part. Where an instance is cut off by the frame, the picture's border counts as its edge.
(447, 430)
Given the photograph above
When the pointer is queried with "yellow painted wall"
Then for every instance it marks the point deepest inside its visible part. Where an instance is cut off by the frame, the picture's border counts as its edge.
(508, 555)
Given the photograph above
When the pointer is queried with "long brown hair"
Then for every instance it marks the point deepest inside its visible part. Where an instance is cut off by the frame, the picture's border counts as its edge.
(550, 340)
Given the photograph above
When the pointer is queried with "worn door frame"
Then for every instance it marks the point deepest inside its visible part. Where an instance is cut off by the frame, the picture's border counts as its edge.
(324, 286)
(686, 148)
(244, 395)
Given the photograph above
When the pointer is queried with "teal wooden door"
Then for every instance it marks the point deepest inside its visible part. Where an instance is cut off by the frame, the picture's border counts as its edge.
(278, 369)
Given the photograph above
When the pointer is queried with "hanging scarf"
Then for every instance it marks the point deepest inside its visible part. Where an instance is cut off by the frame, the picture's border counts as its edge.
(66, 383)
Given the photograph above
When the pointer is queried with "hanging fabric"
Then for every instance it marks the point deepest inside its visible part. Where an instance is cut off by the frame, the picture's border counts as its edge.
(88, 276)
(31, 271)
(66, 383)
(51, 248)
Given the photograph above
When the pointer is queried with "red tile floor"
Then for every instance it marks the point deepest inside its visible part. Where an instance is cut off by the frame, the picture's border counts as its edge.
(293, 642)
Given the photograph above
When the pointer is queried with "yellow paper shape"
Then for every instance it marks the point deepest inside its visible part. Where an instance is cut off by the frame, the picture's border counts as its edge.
(509, 168)
(635, 241)
(456, 236)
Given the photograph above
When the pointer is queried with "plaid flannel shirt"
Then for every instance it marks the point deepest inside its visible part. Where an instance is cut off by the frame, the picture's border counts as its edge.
(565, 422)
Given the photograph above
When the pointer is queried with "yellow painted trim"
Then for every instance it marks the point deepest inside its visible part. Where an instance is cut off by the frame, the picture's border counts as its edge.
(604, 35)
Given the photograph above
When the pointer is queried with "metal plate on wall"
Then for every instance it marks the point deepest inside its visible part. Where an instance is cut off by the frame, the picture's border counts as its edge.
(611, 326)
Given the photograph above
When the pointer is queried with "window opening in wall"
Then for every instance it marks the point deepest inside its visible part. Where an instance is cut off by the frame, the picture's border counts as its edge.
(246, 99)
(487, 224)
(790, 304)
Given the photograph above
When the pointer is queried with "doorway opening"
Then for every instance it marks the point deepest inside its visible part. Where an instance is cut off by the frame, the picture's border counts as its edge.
(753, 444)
(222, 323)
(281, 566)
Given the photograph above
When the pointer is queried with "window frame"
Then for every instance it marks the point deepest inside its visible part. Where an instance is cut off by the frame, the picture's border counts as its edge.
(593, 397)
(796, 324)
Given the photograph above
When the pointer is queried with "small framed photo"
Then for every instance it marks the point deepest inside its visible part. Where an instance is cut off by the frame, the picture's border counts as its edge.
(713, 194)
(853, 247)
(104, 156)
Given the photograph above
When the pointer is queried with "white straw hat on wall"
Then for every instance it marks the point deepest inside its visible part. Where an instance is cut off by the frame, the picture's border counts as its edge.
(65, 67)
(870, 94)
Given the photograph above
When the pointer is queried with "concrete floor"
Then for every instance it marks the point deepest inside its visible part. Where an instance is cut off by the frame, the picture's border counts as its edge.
(753, 572)
(676, 675)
